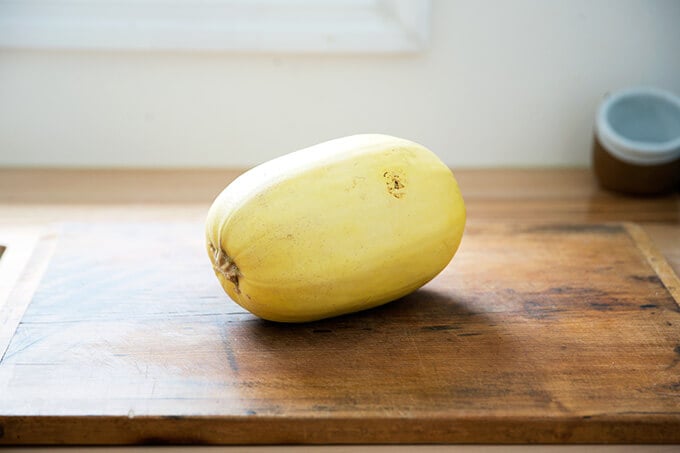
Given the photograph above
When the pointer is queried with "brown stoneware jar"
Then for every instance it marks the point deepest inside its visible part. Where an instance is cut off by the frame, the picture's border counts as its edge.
(636, 148)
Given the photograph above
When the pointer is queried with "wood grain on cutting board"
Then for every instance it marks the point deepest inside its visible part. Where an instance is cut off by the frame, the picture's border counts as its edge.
(534, 333)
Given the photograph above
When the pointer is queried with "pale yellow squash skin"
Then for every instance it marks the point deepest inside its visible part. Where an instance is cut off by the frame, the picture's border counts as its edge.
(340, 227)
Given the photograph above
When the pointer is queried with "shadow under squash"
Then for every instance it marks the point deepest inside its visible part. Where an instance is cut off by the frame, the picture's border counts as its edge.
(427, 351)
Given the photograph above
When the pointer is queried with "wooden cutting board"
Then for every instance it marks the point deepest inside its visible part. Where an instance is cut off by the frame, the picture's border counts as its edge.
(534, 333)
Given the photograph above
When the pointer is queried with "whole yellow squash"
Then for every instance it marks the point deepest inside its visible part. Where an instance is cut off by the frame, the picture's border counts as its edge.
(339, 227)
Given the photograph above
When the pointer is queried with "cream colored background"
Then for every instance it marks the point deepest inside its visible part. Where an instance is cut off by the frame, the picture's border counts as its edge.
(503, 83)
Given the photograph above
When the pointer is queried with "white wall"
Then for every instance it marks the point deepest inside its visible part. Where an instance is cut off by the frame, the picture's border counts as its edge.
(511, 83)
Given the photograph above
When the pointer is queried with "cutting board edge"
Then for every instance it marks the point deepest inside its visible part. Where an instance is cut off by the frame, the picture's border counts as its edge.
(30, 268)
(233, 430)
(655, 259)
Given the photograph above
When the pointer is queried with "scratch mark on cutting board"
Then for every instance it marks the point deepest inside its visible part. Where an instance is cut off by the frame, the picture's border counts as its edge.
(9, 354)
(229, 351)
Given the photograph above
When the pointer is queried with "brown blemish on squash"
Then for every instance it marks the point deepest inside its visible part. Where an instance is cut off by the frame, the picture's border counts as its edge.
(395, 183)
(223, 264)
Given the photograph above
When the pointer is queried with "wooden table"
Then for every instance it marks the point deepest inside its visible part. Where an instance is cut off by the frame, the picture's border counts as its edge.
(31, 199)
